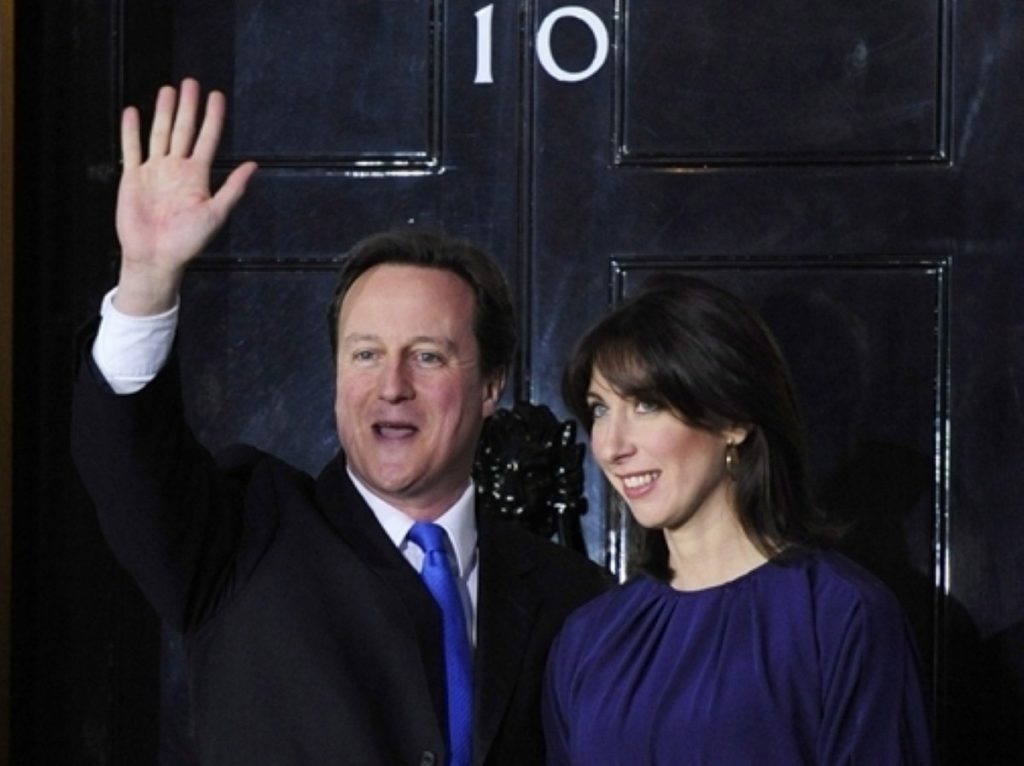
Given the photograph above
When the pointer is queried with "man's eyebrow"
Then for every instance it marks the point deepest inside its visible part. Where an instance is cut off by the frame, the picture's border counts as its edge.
(443, 341)
(358, 337)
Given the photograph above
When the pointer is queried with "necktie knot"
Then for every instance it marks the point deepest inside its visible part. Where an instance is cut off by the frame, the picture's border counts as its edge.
(429, 537)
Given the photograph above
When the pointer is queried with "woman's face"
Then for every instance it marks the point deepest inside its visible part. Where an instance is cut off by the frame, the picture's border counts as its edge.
(669, 473)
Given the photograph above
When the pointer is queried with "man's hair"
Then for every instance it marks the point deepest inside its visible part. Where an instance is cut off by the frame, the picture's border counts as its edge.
(494, 314)
(707, 356)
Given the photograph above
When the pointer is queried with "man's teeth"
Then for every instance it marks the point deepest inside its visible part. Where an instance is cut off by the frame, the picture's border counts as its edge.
(393, 430)
(639, 480)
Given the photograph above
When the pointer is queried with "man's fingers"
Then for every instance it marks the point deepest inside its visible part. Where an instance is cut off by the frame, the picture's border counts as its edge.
(185, 118)
(159, 134)
(233, 188)
(209, 132)
(131, 146)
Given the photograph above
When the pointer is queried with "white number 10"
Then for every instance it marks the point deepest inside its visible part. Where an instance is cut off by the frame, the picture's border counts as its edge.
(485, 23)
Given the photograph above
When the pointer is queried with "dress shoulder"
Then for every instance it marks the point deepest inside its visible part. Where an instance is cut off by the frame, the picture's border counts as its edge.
(844, 590)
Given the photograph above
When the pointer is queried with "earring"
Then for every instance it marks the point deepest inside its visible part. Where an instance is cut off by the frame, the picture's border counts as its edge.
(732, 459)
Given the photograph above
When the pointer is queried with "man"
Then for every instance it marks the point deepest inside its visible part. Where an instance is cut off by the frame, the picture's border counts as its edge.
(309, 635)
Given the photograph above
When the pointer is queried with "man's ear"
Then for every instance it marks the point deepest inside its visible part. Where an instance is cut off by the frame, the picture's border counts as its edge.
(494, 386)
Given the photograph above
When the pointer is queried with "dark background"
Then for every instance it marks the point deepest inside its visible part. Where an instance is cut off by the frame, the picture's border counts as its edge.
(853, 169)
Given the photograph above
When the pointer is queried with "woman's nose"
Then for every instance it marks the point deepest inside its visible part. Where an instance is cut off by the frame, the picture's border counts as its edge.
(612, 439)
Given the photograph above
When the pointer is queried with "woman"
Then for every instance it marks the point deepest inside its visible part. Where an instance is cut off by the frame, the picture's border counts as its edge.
(740, 642)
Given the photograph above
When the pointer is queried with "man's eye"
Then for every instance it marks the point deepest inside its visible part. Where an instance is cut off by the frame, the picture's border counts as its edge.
(364, 355)
(428, 358)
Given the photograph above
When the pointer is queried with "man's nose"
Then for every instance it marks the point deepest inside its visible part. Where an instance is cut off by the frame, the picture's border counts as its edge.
(395, 383)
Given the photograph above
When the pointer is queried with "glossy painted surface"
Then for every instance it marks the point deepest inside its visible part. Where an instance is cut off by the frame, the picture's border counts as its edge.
(855, 170)
(782, 81)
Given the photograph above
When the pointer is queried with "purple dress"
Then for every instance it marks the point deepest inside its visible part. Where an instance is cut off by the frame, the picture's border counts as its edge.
(806, 662)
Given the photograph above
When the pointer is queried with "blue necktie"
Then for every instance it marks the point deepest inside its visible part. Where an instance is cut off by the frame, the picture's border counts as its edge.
(440, 581)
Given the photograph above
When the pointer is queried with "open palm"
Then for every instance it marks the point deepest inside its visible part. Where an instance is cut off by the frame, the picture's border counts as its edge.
(166, 213)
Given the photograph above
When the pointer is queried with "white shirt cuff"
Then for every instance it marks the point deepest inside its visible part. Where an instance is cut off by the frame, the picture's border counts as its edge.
(131, 350)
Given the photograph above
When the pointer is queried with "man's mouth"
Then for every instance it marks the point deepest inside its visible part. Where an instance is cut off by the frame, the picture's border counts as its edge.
(394, 430)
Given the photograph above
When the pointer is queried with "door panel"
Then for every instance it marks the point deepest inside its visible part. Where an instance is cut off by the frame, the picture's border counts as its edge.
(299, 93)
(784, 81)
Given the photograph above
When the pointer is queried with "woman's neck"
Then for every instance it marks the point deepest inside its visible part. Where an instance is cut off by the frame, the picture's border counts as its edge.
(712, 554)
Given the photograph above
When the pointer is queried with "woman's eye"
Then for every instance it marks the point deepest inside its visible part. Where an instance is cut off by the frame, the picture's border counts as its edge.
(646, 407)
(597, 410)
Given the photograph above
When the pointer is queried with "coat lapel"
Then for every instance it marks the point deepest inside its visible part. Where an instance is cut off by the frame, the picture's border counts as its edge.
(504, 618)
(348, 513)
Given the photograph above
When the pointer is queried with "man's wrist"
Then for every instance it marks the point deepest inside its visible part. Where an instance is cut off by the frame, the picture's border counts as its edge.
(144, 293)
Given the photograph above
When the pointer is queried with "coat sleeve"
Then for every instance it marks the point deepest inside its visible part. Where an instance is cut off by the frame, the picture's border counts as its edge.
(170, 517)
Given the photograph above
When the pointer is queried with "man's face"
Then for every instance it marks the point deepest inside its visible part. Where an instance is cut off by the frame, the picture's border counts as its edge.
(411, 398)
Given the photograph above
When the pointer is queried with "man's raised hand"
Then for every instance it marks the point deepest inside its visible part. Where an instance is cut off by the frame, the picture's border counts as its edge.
(165, 211)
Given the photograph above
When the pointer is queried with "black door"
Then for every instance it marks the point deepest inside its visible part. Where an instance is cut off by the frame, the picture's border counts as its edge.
(854, 169)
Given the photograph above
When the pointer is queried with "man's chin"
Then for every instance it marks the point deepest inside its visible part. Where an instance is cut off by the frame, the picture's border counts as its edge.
(394, 487)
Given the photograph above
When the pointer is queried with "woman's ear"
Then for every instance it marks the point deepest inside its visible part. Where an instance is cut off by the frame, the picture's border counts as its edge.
(737, 434)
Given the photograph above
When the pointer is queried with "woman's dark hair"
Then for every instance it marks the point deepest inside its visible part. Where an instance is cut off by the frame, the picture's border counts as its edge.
(494, 315)
(700, 351)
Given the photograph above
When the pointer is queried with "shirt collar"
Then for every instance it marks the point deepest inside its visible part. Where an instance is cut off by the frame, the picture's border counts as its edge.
(459, 521)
